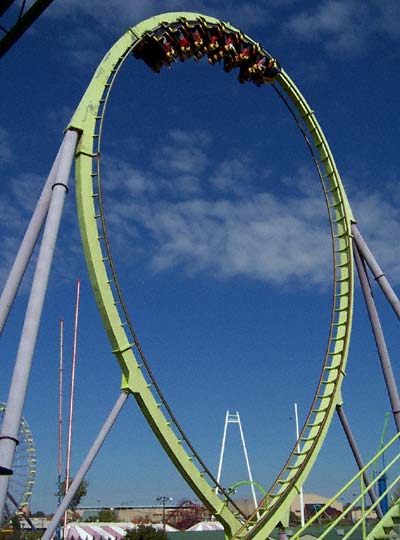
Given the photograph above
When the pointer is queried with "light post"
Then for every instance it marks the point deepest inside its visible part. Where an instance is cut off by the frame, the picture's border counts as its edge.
(163, 499)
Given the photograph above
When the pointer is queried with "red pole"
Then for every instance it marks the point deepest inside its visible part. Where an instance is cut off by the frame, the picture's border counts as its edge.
(60, 401)
(71, 399)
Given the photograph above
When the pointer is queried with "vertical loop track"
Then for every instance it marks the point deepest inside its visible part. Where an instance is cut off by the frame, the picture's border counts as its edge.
(158, 42)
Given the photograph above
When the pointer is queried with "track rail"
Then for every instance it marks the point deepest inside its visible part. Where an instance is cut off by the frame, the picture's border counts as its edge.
(159, 41)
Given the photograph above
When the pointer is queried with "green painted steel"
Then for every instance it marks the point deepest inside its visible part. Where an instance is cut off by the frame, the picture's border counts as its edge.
(299, 464)
(137, 377)
(361, 527)
(248, 483)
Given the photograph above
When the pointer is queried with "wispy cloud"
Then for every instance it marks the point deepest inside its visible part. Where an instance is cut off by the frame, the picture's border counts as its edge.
(17, 204)
(111, 19)
(226, 226)
(237, 173)
(184, 154)
(345, 26)
(379, 222)
(15, 208)
(339, 25)
(219, 223)
(127, 179)
(258, 237)
(123, 14)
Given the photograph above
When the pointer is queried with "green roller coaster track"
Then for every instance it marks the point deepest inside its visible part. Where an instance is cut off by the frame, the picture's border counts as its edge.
(137, 377)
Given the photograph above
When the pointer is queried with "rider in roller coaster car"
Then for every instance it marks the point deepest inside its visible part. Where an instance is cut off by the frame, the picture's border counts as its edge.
(169, 50)
(216, 45)
(184, 45)
(196, 38)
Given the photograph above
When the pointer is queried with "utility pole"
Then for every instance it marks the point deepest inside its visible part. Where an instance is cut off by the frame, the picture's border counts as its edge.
(163, 500)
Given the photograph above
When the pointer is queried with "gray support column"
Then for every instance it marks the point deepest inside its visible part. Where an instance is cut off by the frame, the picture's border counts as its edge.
(379, 338)
(28, 243)
(85, 466)
(376, 270)
(357, 456)
(23, 362)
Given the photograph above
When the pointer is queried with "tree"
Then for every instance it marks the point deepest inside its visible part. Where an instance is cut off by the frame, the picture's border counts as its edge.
(107, 515)
(145, 532)
(16, 525)
(80, 493)
(39, 514)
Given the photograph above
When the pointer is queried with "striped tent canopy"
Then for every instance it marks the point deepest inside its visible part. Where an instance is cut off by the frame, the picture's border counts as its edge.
(97, 531)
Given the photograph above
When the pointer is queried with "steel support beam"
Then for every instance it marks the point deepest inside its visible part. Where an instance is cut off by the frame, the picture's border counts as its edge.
(379, 337)
(23, 362)
(22, 24)
(28, 243)
(357, 456)
(376, 270)
(85, 466)
(5, 4)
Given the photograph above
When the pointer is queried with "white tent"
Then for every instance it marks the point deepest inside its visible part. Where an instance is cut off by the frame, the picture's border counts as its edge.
(160, 526)
(76, 532)
(106, 531)
(97, 531)
(206, 526)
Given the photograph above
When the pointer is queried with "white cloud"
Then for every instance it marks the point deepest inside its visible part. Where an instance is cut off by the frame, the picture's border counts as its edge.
(122, 176)
(111, 19)
(259, 237)
(120, 13)
(183, 153)
(345, 26)
(194, 137)
(281, 239)
(337, 23)
(106, 14)
(16, 205)
(186, 185)
(341, 26)
(224, 223)
(25, 190)
(379, 223)
(236, 173)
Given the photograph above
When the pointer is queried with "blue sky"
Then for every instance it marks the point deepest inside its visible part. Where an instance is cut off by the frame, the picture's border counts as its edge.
(219, 233)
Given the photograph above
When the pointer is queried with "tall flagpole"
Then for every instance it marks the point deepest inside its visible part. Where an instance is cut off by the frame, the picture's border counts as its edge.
(71, 398)
(60, 417)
